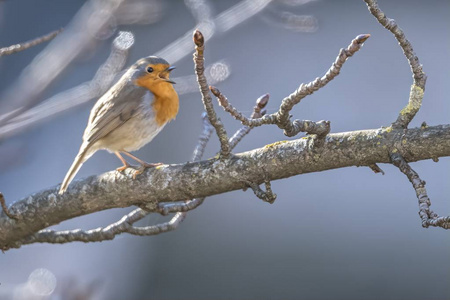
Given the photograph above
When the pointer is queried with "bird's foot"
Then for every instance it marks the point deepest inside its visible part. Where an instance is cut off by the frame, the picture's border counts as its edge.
(145, 166)
(123, 168)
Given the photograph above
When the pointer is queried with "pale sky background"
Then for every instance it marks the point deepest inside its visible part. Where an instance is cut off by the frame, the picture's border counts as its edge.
(340, 234)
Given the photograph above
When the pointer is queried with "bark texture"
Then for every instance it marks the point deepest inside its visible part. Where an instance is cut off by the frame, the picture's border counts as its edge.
(171, 183)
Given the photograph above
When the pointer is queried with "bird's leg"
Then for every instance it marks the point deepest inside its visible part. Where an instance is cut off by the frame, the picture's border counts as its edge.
(125, 163)
(144, 164)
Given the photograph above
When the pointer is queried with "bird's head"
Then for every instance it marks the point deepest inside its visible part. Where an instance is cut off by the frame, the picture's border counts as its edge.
(152, 73)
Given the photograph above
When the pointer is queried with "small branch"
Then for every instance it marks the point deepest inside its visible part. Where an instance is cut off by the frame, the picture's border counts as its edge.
(419, 76)
(429, 218)
(206, 98)
(5, 208)
(223, 101)
(268, 195)
(20, 47)
(282, 117)
(258, 112)
(124, 225)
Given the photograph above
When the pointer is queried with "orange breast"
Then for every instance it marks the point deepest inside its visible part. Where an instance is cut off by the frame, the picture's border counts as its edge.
(166, 108)
(165, 102)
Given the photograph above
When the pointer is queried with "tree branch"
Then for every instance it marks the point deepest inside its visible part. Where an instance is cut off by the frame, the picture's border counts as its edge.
(172, 183)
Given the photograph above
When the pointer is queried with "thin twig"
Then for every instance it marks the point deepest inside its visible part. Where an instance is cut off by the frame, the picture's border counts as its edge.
(429, 218)
(268, 195)
(5, 208)
(258, 112)
(282, 117)
(419, 76)
(206, 97)
(26, 45)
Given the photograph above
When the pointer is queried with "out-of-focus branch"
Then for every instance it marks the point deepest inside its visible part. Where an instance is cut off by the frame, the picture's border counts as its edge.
(215, 73)
(26, 45)
(78, 95)
(429, 217)
(225, 21)
(199, 62)
(282, 117)
(420, 78)
(56, 57)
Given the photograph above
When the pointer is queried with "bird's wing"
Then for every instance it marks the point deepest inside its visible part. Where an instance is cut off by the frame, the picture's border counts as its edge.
(111, 112)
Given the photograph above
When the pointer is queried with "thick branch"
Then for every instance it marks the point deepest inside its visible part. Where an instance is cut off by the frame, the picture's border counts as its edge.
(211, 177)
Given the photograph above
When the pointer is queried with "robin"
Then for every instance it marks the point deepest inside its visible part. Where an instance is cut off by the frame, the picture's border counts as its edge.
(129, 115)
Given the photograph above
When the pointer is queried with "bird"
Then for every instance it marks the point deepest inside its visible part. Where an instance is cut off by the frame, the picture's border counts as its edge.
(129, 115)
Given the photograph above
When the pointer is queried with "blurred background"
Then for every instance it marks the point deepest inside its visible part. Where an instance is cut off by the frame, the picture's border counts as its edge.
(340, 234)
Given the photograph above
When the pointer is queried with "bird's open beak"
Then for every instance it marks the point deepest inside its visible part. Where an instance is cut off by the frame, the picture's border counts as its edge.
(168, 70)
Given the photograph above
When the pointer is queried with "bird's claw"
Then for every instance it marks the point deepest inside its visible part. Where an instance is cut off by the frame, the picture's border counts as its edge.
(122, 168)
(145, 166)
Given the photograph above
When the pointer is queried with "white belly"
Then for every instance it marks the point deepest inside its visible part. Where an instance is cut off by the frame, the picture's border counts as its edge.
(134, 133)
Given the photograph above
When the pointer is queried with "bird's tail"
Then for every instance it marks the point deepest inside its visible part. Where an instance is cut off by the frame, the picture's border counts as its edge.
(82, 156)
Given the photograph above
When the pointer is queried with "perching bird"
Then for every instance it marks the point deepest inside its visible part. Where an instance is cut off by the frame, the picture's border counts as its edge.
(129, 115)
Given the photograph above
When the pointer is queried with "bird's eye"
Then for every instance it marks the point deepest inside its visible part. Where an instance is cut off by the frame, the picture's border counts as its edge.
(149, 69)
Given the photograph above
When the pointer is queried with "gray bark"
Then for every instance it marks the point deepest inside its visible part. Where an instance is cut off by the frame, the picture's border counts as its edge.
(171, 183)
